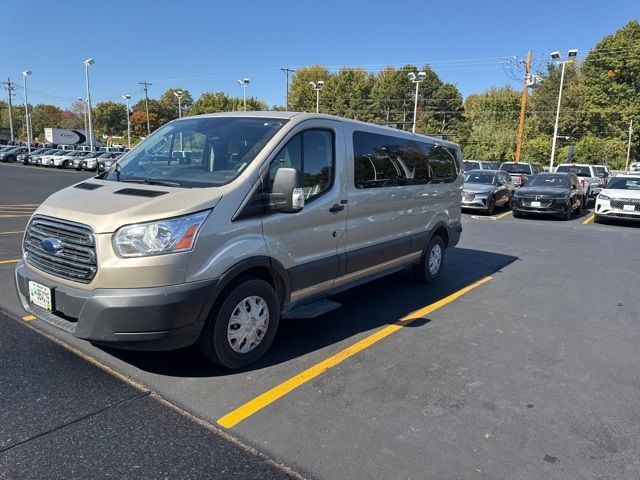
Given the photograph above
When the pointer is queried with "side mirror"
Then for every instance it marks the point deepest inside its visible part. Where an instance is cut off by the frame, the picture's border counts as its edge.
(286, 192)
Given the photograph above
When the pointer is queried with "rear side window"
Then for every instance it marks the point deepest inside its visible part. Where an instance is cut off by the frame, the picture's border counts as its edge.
(312, 153)
(387, 161)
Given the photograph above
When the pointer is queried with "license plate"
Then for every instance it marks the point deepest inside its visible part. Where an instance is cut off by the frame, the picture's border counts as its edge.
(40, 295)
(535, 204)
(628, 208)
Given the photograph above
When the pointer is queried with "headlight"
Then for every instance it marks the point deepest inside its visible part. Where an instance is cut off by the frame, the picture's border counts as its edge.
(157, 238)
(602, 196)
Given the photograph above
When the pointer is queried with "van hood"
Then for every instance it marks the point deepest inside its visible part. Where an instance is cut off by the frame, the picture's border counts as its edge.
(106, 206)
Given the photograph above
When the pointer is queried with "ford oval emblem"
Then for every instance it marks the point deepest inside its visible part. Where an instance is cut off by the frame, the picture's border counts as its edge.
(52, 245)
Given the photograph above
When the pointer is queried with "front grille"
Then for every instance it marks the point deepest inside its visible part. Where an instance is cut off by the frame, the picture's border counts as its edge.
(544, 202)
(620, 203)
(76, 261)
(468, 197)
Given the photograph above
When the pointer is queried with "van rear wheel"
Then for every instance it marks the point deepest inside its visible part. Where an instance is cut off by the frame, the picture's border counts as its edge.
(241, 328)
(428, 270)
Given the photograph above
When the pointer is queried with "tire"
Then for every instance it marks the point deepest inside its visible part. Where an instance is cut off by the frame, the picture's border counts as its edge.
(422, 272)
(580, 208)
(64, 165)
(491, 205)
(568, 213)
(214, 341)
(11, 159)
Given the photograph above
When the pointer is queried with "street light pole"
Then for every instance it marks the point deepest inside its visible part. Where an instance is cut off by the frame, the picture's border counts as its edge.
(179, 94)
(555, 56)
(317, 86)
(629, 145)
(84, 113)
(243, 83)
(416, 78)
(87, 63)
(287, 71)
(25, 74)
(128, 98)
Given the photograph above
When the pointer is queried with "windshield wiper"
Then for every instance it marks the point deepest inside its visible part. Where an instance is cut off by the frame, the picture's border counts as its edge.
(149, 181)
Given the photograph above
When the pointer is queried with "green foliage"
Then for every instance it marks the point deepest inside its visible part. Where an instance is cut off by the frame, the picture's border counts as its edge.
(493, 123)
(110, 118)
(212, 102)
(302, 98)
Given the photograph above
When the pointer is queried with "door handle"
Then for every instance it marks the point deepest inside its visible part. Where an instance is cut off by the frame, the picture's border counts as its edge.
(336, 208)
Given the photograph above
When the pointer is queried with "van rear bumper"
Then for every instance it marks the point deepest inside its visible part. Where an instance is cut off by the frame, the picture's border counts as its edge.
(158, 318)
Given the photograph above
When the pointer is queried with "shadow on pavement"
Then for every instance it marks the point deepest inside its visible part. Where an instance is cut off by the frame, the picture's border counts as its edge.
(364, 308)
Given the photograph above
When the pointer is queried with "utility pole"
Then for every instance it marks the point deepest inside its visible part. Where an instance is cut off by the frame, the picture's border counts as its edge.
(145, 86)
(287, 71)
(10, 86)
(523, 104)
(629, 144)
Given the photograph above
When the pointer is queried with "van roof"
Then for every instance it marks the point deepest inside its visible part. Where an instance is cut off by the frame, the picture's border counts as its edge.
(307, 115)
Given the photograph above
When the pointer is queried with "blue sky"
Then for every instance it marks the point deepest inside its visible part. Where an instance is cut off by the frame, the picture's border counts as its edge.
(207, 45)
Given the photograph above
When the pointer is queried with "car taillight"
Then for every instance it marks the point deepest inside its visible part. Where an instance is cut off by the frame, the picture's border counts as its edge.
(583, 183)
(521, 180)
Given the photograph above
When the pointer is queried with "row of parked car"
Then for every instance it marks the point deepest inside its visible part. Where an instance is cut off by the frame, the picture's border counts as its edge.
(61, 157)
(528, 189)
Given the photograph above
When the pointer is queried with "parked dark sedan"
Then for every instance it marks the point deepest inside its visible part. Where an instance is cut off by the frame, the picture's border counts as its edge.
(11, 155)
(549, 194)
(486, 190)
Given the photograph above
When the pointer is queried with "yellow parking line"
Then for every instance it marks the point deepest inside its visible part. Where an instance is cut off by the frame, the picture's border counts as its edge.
(4, 262)
(28, 318)
(21, 205)
(241, 413)
(12, 233)
(589, 219)
(502, 215)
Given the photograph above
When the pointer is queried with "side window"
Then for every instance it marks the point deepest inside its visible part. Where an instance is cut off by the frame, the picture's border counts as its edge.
(386, 161)
(443, 164)
(312, 153)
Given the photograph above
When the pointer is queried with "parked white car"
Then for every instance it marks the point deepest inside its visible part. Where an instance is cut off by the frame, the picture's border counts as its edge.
(621, 199)
(634, 168)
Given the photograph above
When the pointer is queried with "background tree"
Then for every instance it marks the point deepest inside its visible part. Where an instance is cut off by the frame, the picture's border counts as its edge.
(110, 118)
(44, 116)
(347, 94)
(139, 122)
(493, 121)
(302, 98)
(170, 102)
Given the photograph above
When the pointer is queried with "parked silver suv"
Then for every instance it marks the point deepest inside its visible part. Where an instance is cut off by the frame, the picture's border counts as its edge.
(215, 226)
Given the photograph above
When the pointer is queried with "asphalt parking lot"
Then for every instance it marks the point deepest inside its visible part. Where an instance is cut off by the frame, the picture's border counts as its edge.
(521, 362)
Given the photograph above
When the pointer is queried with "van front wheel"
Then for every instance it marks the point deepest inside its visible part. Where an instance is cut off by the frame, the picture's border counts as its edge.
(428, 270)
(241, 328)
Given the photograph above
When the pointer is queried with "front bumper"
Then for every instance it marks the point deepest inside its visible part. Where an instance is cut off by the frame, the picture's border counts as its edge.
(474, 202)
(158, 318)
(556, 207)
(604, 209)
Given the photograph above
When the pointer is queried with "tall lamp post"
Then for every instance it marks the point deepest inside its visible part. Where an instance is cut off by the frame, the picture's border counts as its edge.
(243, 83)
(416, 78)
(128, 99)
(27, 117)
(555, 56)
(87, 63)
(84, 112)
(317, 86)
(179, 94)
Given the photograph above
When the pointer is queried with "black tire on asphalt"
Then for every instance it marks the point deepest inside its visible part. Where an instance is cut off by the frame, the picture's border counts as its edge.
(491, 205)
(213, 341)
(421, 271)
(568, 212)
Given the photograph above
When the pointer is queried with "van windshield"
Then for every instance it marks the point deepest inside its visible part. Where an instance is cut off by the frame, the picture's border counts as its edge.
(197, 152)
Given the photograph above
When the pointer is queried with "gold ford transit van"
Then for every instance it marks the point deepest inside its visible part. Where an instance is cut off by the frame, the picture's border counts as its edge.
(216, 226)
